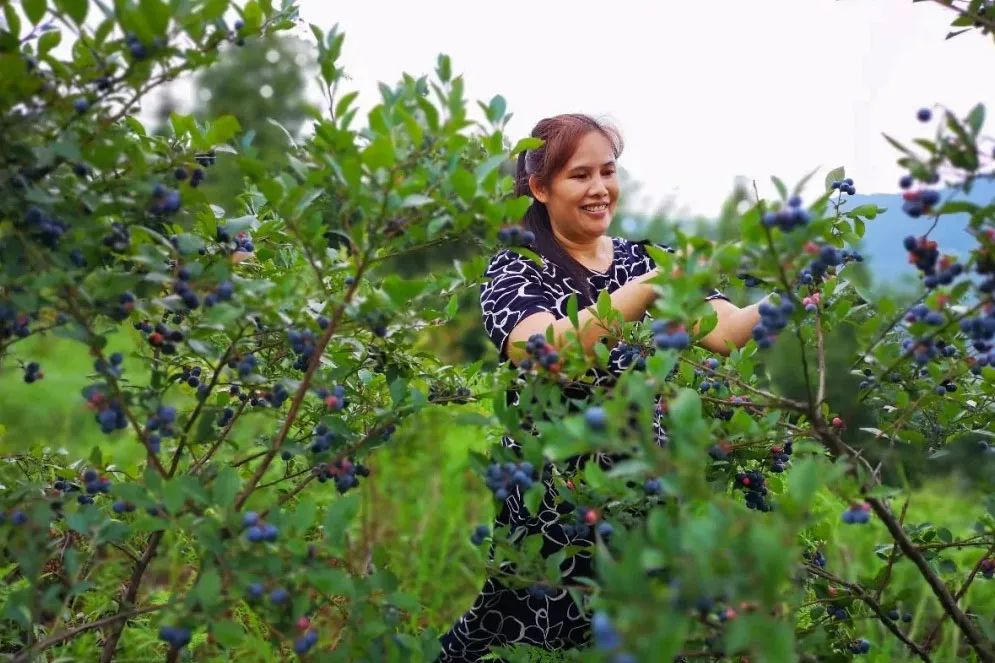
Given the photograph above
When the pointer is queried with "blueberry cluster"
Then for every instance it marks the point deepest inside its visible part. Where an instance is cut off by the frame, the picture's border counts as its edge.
(780, 456)
(631, 355)
(710, 381)
(161, 422)
(305, 642)
(278, 395)
(924, 349)
(981, 331)
(165, 200)
(811, 302)
(110, 413)
(844, 186)
(516, 236)
(755, 487)
(838, 612)
(857, 514)
(343, 471)
(191, 376)
(226, 417)
(222, 293)
(137, 49)
(719, 451)
(46, 229)
(177, 637)
(503, 479)
(110, 369)
(945, 387)
(669, 335)
(773, 318)
(923, 254)
(257, 531)
(542, 352)
(245, 365)
(324, 439)
(894, 615)
(788, 218)
(987, 568)
(334, 398)
(302, 342)
(816, 558)
(826, 256)
(119, 238)
(244, 243)
(95, 483)
(922, 313)
(480, 533)
(868, 381)
(207, 159)
(32, 372)
(190, 298)
(919, 202)
(160, 336)
(122, 506)
(860, 646)
(13, 323)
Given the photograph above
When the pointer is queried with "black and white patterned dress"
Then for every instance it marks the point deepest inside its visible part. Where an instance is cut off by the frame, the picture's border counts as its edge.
(548, 618)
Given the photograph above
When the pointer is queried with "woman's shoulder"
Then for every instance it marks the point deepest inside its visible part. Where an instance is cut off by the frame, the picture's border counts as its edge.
(508, 261)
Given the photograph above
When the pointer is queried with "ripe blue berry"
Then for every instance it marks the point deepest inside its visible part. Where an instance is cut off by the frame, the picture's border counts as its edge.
(596, 418)
(924, 115)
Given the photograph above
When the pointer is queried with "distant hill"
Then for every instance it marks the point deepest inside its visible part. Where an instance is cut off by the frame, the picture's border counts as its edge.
(882, 247)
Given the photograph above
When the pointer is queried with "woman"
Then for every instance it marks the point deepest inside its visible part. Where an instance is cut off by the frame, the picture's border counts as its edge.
(572, 180)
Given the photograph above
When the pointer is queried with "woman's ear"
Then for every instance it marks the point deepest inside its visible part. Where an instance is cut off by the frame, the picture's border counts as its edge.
(538, 191)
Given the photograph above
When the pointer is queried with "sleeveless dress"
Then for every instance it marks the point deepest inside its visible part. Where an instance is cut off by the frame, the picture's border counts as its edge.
(547, 618)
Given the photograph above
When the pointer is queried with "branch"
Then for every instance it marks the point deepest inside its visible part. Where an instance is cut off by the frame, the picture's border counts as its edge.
(978, 642)
(131, 593)
(893, 555)
(54, 640)
(873, 605)
(930, 638)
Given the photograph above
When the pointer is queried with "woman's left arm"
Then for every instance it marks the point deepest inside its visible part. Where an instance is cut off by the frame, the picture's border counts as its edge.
(734, 325)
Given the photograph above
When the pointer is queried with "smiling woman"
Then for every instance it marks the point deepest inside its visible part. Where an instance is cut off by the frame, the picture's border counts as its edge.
(572, 181)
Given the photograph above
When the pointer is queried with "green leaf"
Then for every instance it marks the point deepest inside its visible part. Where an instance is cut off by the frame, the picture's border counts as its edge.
(976, 119)
(379, 153)
(444, 68)
(834, 175)
(34, 9)
(463, 183)
(604, 304)
(227, 633)
(225, 487)
(208, 588)
(222, 130)
(76, 9)
(338, 515)
(529, 143)
(572, 311)
(779, 185)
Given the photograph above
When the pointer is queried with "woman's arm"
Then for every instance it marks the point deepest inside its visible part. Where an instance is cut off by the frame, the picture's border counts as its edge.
(631, 300)
(734, 325)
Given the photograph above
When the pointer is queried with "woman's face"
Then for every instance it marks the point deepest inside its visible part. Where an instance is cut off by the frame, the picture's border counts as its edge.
(582, 197)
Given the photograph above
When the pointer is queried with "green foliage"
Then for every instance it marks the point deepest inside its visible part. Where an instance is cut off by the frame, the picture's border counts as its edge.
(237, 361)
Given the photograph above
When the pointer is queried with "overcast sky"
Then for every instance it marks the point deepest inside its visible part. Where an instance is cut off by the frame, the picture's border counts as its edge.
(703, 91)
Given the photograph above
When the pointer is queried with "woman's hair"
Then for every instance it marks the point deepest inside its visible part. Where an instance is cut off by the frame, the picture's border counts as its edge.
(561, 135)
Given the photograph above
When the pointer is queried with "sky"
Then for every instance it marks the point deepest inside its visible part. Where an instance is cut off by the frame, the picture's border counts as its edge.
(702, 91)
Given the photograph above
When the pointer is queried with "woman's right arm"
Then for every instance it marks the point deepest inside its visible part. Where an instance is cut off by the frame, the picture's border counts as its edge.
(631, 300)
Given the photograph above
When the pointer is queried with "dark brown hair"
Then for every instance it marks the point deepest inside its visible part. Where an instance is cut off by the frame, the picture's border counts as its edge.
(561, 135)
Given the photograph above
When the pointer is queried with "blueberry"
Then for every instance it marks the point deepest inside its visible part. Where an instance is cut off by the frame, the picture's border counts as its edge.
(924, 115)
(81, 105)
(596, 418)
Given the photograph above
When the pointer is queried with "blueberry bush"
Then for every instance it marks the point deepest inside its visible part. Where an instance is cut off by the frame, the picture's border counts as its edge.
(246, 364)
